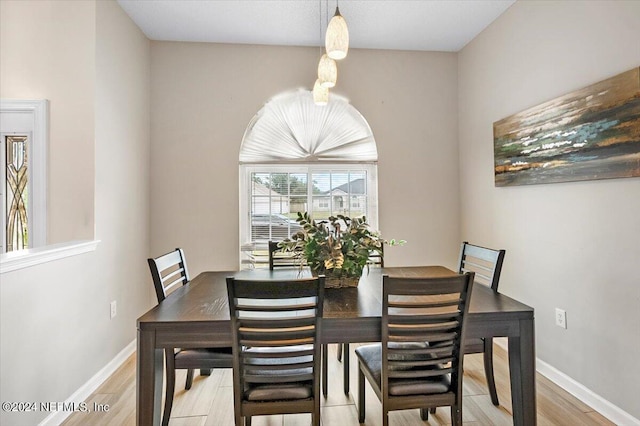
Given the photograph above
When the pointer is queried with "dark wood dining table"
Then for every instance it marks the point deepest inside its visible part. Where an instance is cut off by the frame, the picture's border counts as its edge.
(197, 316)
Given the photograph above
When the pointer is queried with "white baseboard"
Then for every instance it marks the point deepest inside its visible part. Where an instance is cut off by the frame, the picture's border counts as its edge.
(593, 400)
(612, 412)
(88, 388)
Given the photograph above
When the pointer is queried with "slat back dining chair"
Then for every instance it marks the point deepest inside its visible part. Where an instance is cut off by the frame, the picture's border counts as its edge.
(276, 352)
(376, 259)
(169, 272)
(487, 265)
(485, 262)
(404, 371)
(278, 259)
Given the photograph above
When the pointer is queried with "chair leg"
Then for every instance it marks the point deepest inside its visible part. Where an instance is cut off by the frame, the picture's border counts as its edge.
(432, 410)
(488, 370)
(247, 421)
(189, 381)
(325, 373)
(339, 352)
(360, 396)
(170, 374)
(456, 415)
(206, 371)
(315, 417)
(424, 414)
(238, 420)
(345, 371)
(385, 418)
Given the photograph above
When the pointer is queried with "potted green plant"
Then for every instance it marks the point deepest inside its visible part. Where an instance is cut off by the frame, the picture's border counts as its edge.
(339, 248)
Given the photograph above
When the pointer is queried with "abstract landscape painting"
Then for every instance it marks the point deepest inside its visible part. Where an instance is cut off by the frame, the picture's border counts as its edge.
(592, 133)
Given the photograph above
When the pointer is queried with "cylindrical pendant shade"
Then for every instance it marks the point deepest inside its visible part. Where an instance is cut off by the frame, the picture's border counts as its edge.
(320, 94)
(327, 71)
(337, 39)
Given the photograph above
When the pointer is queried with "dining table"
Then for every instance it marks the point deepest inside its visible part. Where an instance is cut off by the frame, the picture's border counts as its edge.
(196, 315)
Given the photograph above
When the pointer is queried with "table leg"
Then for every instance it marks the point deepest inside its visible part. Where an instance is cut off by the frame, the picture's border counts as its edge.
(325, 373)
(522, 368)
(345, 368)
(148, 380)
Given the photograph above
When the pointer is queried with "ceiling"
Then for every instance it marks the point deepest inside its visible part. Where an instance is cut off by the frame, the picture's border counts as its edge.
(428, 25)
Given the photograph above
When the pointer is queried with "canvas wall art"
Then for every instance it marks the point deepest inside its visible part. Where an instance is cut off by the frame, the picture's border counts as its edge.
(592, 133)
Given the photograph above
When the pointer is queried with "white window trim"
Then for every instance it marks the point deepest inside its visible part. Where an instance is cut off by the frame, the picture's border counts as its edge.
(39, 109)
(245, 182)
(20, 259)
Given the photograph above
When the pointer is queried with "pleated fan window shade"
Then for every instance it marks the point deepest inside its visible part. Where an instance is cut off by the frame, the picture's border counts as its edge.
(291, 128)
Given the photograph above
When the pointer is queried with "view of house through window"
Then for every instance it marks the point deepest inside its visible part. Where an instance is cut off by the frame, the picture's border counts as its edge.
(278, 197)
(297, 157)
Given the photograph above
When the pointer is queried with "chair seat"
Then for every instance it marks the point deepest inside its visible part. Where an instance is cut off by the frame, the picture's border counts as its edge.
(277, 392)
(371, 358)
(204, 358)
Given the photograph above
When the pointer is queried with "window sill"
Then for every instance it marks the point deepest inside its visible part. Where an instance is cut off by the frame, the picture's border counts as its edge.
(36, 256)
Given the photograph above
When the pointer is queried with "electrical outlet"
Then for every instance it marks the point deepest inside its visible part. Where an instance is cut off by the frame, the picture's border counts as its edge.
(561, 318)
(114, 309)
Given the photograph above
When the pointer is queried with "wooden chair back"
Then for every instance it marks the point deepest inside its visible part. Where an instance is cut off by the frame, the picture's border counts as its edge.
(415, 311)
(377, 258)
(276, 350)
(485, 262)
(168, 271)
(278, 259)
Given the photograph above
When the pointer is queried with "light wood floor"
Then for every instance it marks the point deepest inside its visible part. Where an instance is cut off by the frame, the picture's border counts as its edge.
(210, 401)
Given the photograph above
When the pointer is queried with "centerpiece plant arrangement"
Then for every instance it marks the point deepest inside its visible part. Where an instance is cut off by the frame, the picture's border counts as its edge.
(338, 248)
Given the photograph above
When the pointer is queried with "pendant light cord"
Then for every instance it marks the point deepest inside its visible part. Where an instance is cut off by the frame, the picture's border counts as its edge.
(320, 25)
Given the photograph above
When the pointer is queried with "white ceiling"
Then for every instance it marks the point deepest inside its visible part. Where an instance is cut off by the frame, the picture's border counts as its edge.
(430, 25)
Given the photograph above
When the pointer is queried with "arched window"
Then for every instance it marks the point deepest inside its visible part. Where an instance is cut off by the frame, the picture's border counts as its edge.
(297, 156)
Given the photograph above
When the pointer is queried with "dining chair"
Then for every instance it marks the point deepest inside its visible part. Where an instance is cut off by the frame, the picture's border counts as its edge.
(376, 259)
(278, 259)
(169, 272)
(404, 371)
(487, 265)
(275, 329)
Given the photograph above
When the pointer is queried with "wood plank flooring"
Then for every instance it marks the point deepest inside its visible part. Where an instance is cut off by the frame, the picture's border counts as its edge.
(210, 401)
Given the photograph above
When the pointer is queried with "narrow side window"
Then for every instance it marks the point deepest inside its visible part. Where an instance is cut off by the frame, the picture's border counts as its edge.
(23, 154)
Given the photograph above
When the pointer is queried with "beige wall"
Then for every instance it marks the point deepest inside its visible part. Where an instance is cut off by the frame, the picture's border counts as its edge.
(48, 52)
(55, 329)
(569, 245)
(204, 95)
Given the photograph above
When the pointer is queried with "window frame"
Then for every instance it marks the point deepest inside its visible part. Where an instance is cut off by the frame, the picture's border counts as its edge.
(246, 170)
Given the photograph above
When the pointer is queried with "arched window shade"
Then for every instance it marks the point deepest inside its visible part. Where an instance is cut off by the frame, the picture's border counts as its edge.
(291, 128)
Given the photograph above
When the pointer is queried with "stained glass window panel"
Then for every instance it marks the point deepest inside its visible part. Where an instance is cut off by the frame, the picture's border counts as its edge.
(17, 180)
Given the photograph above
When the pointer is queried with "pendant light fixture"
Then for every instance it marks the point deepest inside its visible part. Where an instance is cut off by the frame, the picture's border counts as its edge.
(337, 37)
(320, 94)
(327, 71)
